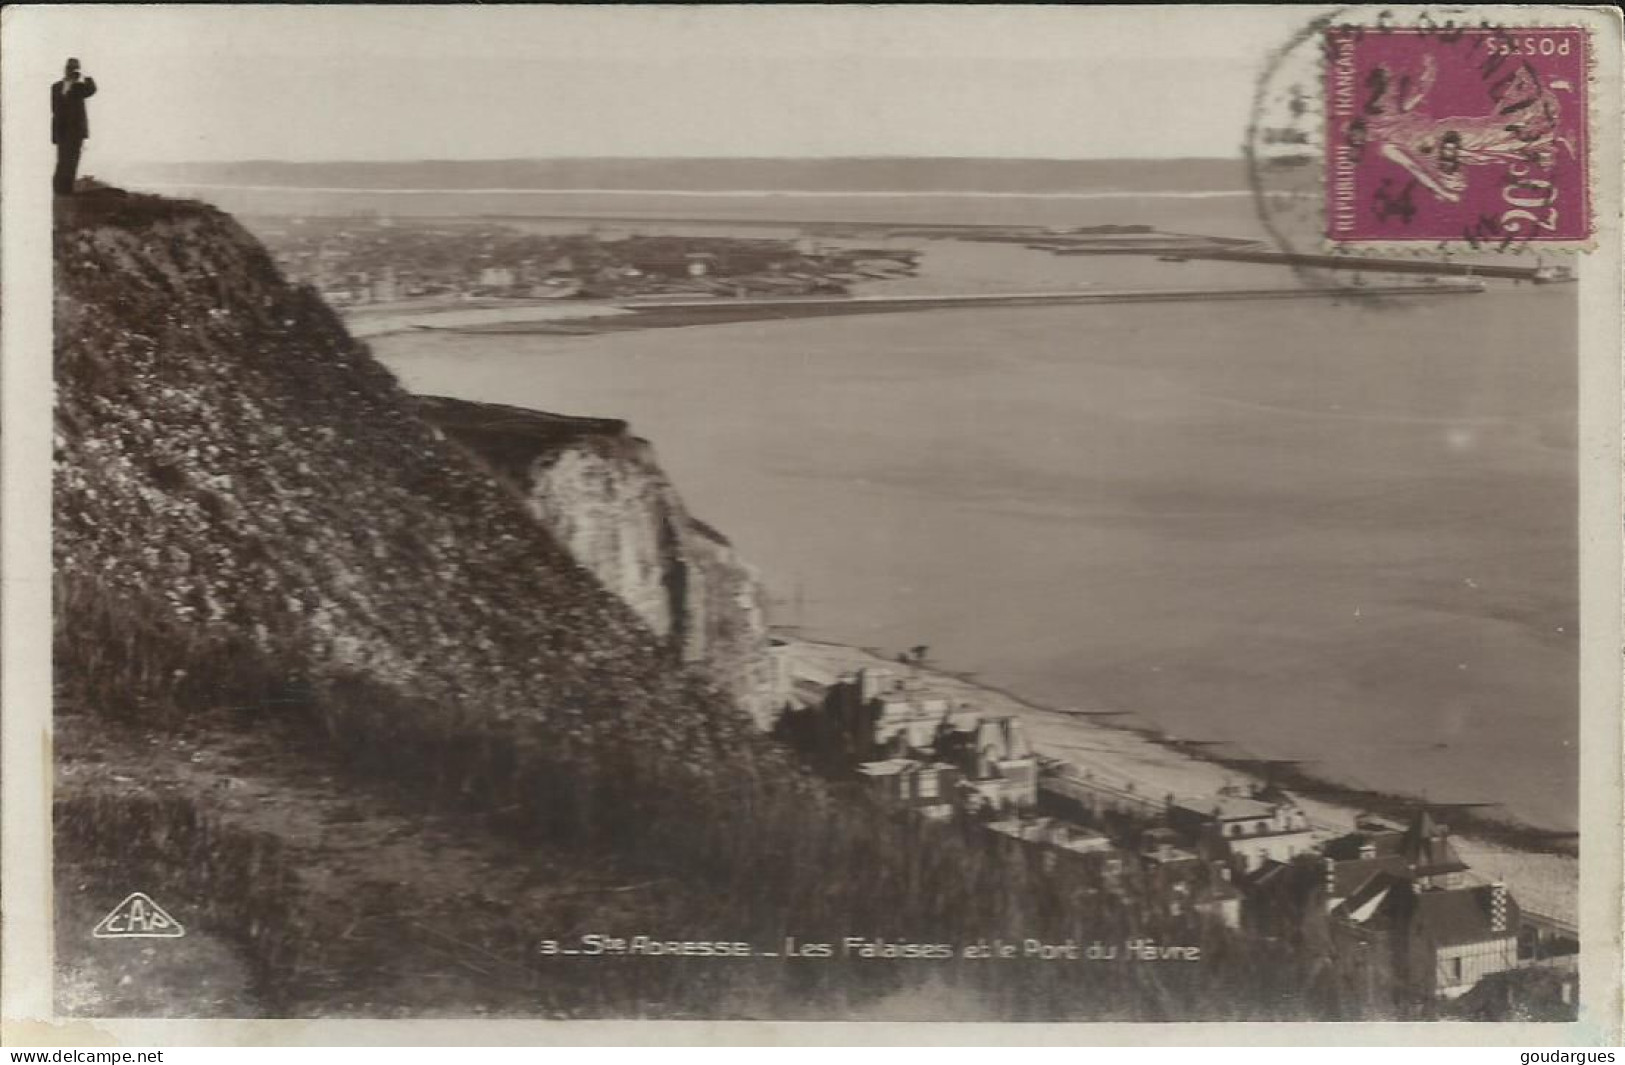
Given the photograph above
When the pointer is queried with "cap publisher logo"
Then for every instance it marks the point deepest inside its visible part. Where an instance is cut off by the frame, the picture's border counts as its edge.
(138, 917)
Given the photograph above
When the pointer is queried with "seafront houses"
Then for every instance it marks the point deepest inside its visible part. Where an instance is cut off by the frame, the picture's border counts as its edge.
(1179, 879)
(912, 745)
(915, 747)
(907, 715)
(1182, 883)
(873, 714)
(1202, 887)
(1063, 844)
(1255, 828)
(1338, 869)
(1194, 873)
(1440, 941)
(1406, 892)
(1074, 792)
(1399, 895)
(1003, 770)
(930, 789)
(1422, 851)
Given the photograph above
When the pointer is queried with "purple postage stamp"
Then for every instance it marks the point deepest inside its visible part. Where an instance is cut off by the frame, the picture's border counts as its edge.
(1472, 135)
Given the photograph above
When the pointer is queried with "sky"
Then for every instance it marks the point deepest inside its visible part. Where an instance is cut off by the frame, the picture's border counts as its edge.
(216, 83)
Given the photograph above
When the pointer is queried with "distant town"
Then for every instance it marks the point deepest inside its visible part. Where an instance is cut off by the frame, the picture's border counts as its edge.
(368, 258)
(1394, 894)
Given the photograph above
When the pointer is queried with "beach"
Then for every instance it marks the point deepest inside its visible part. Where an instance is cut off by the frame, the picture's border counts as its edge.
(1545, 883)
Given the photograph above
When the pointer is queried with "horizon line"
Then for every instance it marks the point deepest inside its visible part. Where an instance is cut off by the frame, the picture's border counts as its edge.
(1050, 194)
(701, 158)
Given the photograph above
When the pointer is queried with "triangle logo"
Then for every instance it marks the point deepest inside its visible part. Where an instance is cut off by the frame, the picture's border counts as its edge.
(138, 917)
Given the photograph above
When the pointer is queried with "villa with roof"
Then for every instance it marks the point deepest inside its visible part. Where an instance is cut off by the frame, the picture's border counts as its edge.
(1442, 941)
(1421, 852)
(1251, 828)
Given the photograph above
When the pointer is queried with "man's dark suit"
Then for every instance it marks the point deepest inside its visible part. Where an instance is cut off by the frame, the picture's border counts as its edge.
(70, 127)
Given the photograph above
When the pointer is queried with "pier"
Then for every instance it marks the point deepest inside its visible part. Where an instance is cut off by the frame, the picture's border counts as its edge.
(859, 304)
(1256, 253)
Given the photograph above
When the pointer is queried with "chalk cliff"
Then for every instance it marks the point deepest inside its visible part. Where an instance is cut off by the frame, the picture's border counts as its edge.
(602, 494)
(234, 468)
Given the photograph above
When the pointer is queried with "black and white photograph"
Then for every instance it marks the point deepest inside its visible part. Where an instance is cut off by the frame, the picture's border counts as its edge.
(944, 515)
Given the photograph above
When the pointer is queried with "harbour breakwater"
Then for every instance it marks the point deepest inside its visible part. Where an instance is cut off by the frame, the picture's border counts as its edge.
(583, 318)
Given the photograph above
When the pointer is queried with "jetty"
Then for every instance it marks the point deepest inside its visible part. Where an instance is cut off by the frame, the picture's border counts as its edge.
(850, 304)
(1224, 251)
(587, 318)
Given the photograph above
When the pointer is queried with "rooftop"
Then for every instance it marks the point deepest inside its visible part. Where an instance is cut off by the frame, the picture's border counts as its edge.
(1444, 918)
(920, 699)
(1166, 853)
(1227, 807)
(890, 767)
(1449, 918)
(1048, 830)
(1425, 846)
(1349, 876)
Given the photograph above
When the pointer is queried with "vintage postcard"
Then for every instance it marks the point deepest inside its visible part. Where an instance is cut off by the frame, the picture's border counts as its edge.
(933, 516)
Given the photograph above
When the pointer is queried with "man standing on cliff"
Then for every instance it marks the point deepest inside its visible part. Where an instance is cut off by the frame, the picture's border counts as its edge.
(69, 125)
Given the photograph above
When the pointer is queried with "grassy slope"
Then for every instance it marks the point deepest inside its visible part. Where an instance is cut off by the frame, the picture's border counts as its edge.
(269, 563)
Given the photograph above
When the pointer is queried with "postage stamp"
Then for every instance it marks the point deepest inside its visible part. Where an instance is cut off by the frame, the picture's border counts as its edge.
(1474, 135)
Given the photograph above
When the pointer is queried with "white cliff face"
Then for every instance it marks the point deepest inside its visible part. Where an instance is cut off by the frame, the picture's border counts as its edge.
(727, 624)
(613, 515)
(608, 502)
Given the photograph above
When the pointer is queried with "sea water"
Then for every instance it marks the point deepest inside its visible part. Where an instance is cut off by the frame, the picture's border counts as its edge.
(1321, 529)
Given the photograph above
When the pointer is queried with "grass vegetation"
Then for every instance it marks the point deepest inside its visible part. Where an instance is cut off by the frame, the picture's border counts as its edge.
(772, 852)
